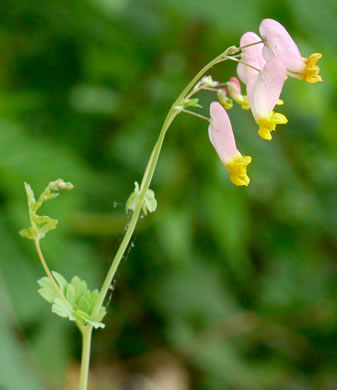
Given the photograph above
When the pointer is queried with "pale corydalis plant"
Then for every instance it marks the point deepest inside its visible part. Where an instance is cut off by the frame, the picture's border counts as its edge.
(263, 64)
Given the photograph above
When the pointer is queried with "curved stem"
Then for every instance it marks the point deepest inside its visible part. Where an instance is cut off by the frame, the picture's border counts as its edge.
(86, 346)
(245, 63)
(49, 274)
(251, 44)
(195, 114)
(149, 171)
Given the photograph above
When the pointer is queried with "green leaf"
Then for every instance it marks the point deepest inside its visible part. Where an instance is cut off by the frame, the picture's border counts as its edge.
(81, 301)
(30, 196)
(27, 233)
(151, 204)
(131, 203)
(47, 290)
(192, 103)
(44, 224)
(80, 286)
(99, 317)
(96, 325)
(60, 280)
(70, 294)
(40, 225)
(84, 304)
(62, 309)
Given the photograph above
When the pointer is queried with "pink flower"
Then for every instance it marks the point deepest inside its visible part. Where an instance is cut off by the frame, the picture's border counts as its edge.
(222, 138)
(278, 43)
(234, 90)
(251, 55)
(263, 92)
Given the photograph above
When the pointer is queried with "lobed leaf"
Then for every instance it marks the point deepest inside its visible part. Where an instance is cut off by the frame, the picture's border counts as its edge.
(81, 301)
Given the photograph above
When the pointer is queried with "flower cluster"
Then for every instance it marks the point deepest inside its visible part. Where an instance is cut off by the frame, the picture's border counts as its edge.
(263, 67)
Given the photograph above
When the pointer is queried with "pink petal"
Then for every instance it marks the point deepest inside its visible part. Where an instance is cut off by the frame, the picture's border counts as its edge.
(236, 83)
(251, 55)
(264, 89)
(278, 43)
(221, 134)
(234, 88)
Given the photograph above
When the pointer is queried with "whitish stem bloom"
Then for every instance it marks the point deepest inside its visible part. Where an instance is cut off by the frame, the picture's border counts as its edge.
(263, 92)
(205, 82)
(251, 55)
(278, 43)
(222, 138)
(234, 90)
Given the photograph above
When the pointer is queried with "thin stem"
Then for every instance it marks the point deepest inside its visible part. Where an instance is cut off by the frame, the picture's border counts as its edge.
(251, 44)
(244, 63)
(49, 274)
(193, 92)
(197, 115)
(86, 346)
(151, 166)
(210, 89)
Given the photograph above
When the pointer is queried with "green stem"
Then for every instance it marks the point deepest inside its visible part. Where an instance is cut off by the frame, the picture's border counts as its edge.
(251, 44)
(86, 345)
(151, 166)
(195, 114)
(245, 63)
(149, 171)
(49, 274)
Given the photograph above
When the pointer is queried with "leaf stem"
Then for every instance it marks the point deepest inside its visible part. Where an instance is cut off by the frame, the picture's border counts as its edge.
(49, 274)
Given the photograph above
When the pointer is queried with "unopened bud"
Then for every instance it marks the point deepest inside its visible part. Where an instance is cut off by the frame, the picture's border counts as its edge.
(234, 91)
(225, 101)
(232, 50)
(60, 184)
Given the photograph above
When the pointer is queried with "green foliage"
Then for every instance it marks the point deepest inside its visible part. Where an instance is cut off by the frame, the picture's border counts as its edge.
(185, 103)
(42, 224)
(80, 300)
(149, 203)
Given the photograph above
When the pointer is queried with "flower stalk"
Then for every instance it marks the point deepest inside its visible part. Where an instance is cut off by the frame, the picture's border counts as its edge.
(145, 184)
(149, 171)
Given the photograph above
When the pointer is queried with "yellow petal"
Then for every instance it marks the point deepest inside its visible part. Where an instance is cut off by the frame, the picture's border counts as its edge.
(310, 73)
(267, 125)
(237, 168)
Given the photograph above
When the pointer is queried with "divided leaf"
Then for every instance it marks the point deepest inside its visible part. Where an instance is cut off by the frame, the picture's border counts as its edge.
(40, 225)
(81, 301)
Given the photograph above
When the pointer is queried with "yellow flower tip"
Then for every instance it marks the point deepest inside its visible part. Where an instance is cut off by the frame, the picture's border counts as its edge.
(265, 133)
(244, 103)
(237, 168)
(267, 125)
(310, 73)
(280, 102)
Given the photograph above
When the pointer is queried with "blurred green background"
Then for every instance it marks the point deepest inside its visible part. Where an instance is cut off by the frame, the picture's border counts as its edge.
(223, 287)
